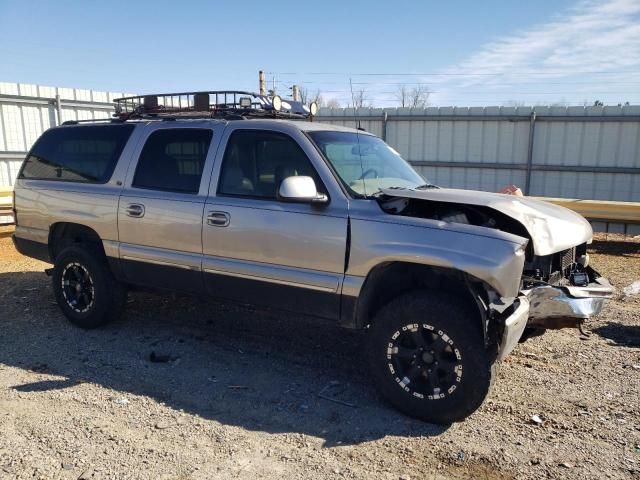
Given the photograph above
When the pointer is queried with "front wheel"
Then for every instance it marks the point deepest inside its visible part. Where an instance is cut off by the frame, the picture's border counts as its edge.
(427, 356)
(85, 288)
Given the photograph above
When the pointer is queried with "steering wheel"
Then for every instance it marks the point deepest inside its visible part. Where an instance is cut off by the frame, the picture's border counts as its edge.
(366, 173)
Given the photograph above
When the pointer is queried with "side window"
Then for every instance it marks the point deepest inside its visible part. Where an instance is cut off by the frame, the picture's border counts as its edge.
(256, 161)
(86, 154)
(172, 160)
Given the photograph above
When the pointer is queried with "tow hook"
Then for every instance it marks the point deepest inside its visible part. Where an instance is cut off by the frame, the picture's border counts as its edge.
(48, 271)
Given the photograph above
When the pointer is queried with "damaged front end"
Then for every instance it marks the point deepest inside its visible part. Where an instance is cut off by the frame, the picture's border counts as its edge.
(558, 288)
(566, 295)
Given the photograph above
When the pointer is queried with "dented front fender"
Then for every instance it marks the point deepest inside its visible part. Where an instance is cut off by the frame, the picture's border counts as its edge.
(494, 257)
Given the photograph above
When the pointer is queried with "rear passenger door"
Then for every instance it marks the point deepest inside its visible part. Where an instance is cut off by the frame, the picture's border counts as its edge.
(161, 205)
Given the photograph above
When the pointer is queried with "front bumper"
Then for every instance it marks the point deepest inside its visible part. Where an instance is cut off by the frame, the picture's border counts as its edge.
(553, 307)
(514, 325)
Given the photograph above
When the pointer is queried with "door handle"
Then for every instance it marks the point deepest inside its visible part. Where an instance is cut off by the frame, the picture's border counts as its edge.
(218, 219)
(135, 210)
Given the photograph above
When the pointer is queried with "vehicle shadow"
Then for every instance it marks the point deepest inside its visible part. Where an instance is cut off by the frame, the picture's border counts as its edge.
(259, 370)
(623, 335)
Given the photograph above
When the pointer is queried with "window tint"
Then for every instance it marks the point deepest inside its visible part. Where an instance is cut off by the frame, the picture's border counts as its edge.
(77, 154)
(173, 159)
(255, 163)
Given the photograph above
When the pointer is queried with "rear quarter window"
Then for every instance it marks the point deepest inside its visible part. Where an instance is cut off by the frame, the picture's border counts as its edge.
(85, 154)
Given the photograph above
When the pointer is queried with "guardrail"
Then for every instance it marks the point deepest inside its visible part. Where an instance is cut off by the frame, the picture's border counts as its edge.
(627, 212)
(606, 216)
(6, 206)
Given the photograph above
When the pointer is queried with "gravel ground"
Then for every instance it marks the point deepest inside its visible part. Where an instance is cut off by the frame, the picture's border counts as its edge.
(239, 396)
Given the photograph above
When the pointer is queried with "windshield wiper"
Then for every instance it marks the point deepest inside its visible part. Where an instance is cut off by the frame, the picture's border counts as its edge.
(375, 194)
(426, 186)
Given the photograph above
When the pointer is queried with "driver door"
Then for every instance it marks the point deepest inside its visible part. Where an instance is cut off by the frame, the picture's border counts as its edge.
(263, 251)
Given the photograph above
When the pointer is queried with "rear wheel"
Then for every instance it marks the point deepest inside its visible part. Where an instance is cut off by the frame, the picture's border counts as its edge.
(85, 288)
(427, 356)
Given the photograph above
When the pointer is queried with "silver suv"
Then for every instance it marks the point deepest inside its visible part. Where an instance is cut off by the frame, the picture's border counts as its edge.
(243, 199)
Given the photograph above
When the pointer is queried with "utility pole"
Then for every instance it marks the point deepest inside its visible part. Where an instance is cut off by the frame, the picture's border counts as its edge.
(296, 93)
(262, 82)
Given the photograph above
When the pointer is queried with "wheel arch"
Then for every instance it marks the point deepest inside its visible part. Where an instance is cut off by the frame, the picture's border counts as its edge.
(64, 234)
(389, 279)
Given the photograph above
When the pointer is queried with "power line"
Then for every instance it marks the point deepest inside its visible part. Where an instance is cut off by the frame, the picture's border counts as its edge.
(609, 92)
(408, 84)
(459, 73)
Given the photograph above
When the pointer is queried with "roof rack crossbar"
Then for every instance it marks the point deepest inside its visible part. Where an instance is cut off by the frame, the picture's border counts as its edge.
(92, 120)
(226, 103)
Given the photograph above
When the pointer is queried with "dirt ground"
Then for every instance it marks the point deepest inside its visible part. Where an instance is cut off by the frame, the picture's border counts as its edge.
(239, 396)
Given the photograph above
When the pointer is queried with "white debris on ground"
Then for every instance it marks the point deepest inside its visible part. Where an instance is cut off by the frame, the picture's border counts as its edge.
(633, 289)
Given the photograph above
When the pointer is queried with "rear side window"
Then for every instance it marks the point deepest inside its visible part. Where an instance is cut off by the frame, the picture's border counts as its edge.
(172, 160)
(86, 154)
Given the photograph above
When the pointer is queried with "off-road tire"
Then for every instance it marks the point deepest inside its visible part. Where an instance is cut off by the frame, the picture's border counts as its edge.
(105, 298)
(439, 317)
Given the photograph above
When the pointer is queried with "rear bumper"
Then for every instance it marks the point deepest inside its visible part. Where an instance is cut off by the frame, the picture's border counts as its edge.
(555, 307)
(31, 248)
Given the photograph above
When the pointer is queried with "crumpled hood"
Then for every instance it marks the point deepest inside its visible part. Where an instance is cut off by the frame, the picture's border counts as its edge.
(552, 228)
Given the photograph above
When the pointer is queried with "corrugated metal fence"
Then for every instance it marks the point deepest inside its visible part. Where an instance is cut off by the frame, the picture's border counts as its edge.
(585, 153)
(570, 152)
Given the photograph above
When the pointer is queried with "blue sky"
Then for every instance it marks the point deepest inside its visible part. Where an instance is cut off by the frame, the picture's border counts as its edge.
(466, 53)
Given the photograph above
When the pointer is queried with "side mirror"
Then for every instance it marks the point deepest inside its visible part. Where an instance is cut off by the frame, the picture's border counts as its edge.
(300, 189)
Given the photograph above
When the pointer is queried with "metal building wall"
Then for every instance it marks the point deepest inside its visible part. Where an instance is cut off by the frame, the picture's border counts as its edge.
(570, 152)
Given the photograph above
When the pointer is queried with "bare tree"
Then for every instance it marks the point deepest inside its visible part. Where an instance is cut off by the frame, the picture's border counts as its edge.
(403, 95)
(304, 94)
(332, 103)
(419, 96)
(416, 97)
(306, 97)
(359, 99)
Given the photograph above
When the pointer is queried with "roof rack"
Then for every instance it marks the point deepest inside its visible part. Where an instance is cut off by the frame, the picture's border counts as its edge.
(225, 104)
(92, 120)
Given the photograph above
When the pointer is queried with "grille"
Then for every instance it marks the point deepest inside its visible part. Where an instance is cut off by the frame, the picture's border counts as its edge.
(567, 259)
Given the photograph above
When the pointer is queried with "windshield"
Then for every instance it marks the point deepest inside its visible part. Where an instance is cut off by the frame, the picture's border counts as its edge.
(365, 163)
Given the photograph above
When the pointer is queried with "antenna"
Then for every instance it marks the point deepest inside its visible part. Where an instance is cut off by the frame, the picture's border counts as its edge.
(355, 119)
(353, 100)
